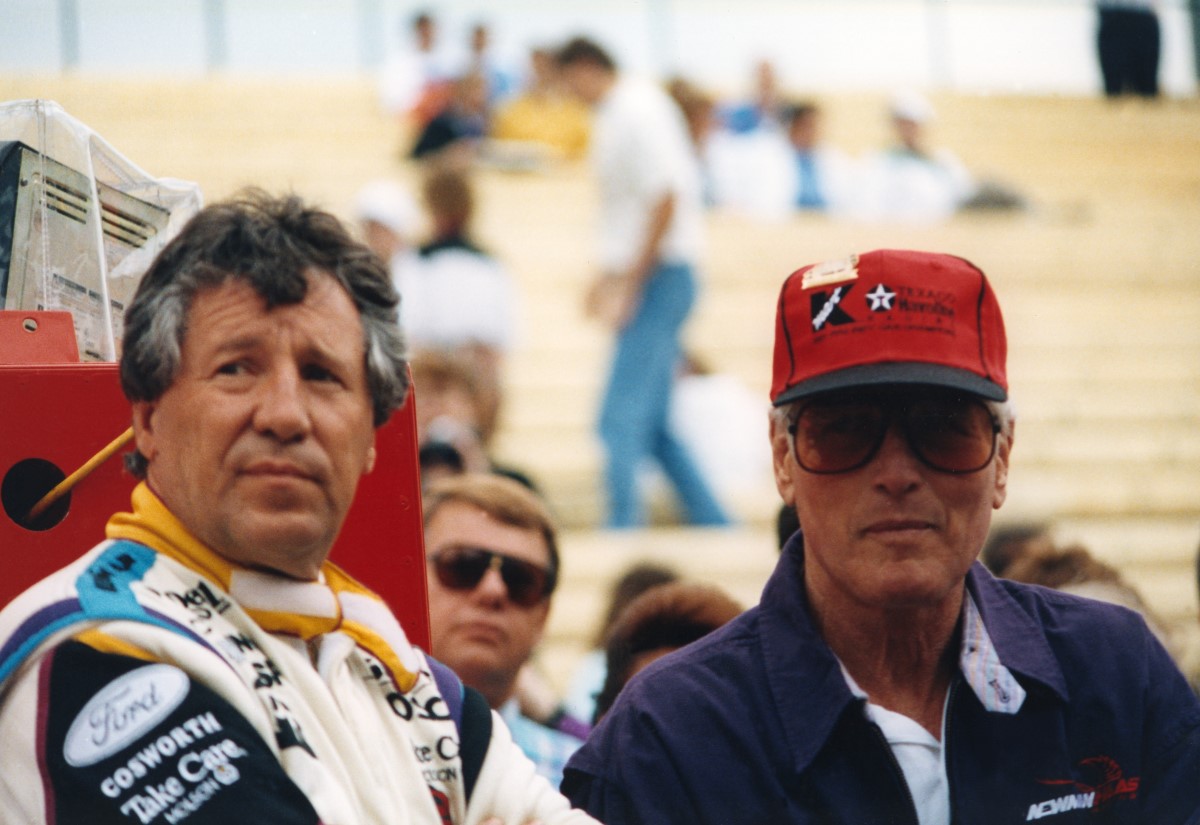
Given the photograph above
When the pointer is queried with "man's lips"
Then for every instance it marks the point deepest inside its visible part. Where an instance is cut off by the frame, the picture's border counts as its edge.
(278, 469)
(485, 631)
(897, 526)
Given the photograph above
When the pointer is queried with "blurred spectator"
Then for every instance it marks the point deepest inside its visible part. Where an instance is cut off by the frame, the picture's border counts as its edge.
(544, 114)
(415, 81)
(909, 181)
(912, 182)
(457, 298)
(661, 620)
(718, 418)
(493, 561)
(825, 177)
(458, 129)
(389, 220)
(1073, 569)
(698, 108)
(699, 115)
(481, 60)
(651, 226)
(448, 411)
(589, 674)
(1129, 43)
(1006, 543)
(751, 170)
(765, 107)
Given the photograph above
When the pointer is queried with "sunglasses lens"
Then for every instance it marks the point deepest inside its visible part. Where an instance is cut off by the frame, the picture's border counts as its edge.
(526, 583)
(950, 433)
(836, 436)
(462, 568)
(955, 435)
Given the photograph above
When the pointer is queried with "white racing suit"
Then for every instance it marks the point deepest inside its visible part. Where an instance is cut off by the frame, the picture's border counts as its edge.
(151, 682)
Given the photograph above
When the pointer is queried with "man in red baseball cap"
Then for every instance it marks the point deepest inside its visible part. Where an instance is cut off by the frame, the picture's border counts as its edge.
(886, 676)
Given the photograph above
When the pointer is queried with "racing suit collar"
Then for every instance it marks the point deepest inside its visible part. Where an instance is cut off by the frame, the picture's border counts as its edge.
(307, 610)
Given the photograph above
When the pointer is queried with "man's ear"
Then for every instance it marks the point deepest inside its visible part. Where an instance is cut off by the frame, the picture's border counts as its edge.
(143, 428)
(369, 464)
(781, 452)
(1003, 452)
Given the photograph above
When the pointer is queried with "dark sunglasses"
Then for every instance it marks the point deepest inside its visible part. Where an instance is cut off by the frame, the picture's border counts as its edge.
(839, 433)
(462, 568)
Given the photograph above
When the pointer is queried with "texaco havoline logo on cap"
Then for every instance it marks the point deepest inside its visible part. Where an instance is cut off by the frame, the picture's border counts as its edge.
(832, 308)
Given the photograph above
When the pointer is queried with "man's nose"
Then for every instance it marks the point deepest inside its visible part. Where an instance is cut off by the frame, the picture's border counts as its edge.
(895, 466)
(282, 409)
(492, 587)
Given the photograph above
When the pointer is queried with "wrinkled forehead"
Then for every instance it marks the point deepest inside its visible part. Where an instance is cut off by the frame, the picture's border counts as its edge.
(322, 315)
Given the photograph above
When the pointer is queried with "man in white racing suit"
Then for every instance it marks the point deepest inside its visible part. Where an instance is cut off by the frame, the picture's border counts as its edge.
(206, 663)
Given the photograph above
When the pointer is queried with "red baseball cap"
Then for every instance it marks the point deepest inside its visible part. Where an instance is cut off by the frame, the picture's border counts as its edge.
(888, 317)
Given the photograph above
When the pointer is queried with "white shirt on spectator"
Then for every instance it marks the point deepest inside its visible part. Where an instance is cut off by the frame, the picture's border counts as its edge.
(454, 296)
(898, 185)
(641, 152)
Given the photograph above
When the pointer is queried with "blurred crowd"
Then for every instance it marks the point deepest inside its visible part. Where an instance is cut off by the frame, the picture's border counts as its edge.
(459, 107)
(763, 154)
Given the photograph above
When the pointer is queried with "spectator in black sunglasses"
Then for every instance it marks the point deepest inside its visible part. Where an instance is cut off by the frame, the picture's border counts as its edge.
(492, 551)
(886, 675)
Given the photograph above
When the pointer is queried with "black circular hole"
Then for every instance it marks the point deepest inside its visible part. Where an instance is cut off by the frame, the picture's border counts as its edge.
(25, 484)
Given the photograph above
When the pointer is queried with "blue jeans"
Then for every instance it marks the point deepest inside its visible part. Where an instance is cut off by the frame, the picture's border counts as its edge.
(634, 416)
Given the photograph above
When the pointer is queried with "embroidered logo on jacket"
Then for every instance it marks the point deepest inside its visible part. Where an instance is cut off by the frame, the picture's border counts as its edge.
(1111, 785)
(122, 711)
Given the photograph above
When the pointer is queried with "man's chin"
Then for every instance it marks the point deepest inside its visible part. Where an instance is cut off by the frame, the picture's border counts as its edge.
(911, 592)
(292, 543)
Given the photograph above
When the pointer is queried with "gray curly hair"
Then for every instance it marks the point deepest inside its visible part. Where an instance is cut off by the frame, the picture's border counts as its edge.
(271, 243)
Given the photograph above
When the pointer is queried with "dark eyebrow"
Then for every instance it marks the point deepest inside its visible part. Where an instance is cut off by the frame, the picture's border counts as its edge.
(238, 343)
(313, 351)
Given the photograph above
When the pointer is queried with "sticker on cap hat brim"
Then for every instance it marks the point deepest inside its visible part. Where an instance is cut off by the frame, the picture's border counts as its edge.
(831, 272)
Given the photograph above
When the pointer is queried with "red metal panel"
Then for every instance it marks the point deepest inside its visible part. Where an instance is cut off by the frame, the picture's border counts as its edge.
(382, 543)
(65, 413)
(62, 414)
(44, 337)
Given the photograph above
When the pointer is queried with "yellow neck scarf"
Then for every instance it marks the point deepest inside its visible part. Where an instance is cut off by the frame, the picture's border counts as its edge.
(335, 602)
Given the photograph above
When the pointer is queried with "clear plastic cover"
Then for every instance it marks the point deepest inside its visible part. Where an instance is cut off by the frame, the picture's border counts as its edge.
(79, 223)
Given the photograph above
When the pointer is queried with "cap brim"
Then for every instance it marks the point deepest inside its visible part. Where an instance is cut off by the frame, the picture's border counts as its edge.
(872, 375)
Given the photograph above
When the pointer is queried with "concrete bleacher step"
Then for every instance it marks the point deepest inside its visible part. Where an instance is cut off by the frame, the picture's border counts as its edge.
(1099, 490)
